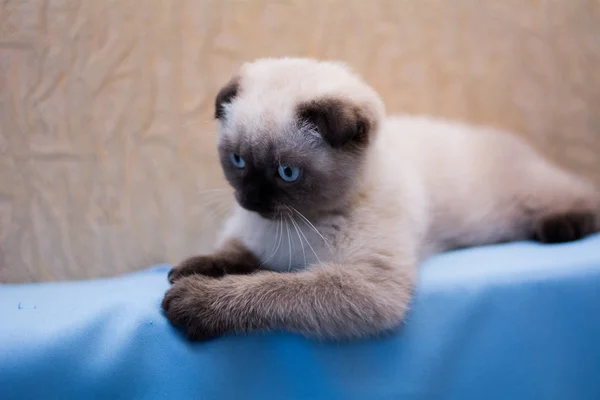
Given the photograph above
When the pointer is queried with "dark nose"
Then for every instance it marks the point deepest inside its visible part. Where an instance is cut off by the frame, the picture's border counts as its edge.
(251, 201)
(255, 199)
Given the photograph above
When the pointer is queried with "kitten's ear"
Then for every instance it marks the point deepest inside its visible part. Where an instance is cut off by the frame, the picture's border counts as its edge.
(226, 95)
(339, 121)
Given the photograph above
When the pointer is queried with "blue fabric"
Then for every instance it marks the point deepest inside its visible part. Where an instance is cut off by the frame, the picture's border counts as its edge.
(514, 321)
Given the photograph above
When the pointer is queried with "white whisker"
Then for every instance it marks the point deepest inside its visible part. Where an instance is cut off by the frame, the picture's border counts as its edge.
(214, 195)
(313, 228)
(309, 245)
(278, 236)
(217, 193)
(287, 226)
(299, 238)
(274, 249)
(216, 205)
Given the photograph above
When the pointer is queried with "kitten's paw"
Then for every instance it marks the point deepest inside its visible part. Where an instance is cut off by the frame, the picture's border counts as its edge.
(199, 265)
(187, 305)
(566, 227)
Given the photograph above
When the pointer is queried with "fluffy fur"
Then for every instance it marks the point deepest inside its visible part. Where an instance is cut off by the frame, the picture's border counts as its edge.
(335, 254)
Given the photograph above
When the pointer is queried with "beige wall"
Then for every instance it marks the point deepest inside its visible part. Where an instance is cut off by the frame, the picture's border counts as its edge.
(106, 141)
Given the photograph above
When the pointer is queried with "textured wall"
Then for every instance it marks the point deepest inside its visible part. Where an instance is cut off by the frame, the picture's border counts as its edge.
(106, 141)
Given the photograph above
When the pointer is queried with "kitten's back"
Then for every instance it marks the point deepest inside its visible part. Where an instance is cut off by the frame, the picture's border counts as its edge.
(472, 174)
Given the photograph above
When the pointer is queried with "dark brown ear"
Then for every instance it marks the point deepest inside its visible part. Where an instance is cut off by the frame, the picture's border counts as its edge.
(339, 122)
(226, 95)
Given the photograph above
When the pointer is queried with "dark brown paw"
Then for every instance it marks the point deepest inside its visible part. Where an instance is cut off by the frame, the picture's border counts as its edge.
(188, 306)
(232, 258)
(199, 265)
(565, 227)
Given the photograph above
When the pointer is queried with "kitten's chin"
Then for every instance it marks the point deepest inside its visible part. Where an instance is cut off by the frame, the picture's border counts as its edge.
(270, 215)
(266, 213)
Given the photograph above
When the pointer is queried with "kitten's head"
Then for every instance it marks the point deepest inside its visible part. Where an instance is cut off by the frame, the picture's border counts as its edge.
(295, 134)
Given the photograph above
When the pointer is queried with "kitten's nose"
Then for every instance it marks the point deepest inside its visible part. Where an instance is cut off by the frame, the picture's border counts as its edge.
(253, 200)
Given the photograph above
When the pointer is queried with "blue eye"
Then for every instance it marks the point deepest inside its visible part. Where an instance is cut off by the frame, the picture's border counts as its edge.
(237, 160)
(288, 174)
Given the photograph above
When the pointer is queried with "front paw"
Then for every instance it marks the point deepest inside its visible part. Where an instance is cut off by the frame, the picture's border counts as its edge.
(188, 305)
(199, 265)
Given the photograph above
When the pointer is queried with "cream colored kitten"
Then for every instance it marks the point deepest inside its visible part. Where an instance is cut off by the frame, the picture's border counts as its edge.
(349, 201)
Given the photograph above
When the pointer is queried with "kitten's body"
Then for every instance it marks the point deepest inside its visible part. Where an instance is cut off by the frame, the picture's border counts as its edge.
(420, 186)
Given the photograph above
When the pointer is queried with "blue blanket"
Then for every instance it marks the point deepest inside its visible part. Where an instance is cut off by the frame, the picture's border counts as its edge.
(514, 321)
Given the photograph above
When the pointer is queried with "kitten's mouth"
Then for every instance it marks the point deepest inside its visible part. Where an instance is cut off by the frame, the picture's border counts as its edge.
(270, 214)
(267, 212)
(275, 214)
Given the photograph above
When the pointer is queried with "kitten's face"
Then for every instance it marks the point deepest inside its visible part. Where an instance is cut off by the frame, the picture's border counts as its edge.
(296, 171)
(286, 146)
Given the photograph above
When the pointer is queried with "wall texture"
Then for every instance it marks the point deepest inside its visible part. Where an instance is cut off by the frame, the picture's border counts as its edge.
(106, 140)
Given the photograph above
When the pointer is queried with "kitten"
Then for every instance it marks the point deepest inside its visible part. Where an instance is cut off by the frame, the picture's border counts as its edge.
(348, 201)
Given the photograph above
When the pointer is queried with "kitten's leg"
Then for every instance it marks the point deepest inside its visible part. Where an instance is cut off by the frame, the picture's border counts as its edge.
(565, 227)
(567, 209)
(231, 258)
(329, 301)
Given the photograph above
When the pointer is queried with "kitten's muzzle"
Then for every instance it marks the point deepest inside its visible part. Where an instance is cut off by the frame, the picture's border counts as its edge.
(252, 201)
